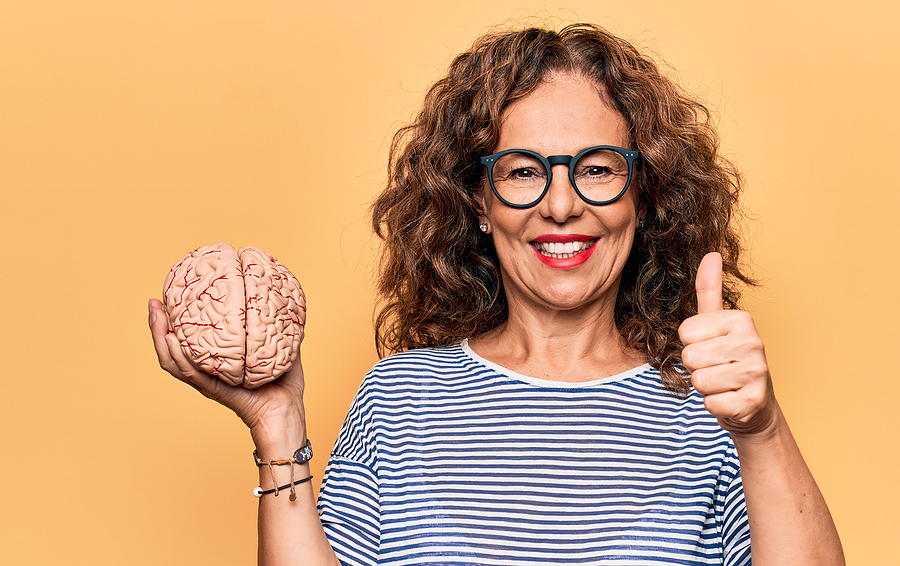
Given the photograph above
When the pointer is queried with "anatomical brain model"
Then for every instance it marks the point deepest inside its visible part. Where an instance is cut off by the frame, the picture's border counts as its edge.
(238, 315)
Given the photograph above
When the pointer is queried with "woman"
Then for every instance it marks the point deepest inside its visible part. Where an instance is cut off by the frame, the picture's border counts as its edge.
(570, 387)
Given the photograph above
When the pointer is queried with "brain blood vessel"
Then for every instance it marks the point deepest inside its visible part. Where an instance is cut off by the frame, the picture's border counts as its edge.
(239, 315)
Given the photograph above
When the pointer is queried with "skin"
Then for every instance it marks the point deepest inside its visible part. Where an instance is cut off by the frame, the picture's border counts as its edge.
(561, 327)
(561, 322)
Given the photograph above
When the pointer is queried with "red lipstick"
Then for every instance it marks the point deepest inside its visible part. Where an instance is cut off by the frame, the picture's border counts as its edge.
(568, 262)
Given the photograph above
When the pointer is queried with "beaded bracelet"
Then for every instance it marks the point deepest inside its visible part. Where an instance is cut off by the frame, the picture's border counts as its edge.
(300, 456)
(258, 491)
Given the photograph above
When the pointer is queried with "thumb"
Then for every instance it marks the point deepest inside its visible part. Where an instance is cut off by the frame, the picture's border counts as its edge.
(709, 283)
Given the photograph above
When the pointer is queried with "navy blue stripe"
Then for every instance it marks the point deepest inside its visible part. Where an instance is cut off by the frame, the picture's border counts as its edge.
(444, 460)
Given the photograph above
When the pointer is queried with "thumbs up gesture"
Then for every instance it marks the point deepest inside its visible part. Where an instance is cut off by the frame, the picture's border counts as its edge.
(726, 358)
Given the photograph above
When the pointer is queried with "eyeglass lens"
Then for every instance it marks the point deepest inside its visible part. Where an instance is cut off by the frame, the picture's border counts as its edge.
(521, 178)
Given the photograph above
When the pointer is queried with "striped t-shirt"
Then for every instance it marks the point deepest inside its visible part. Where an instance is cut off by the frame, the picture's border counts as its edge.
(447, 458)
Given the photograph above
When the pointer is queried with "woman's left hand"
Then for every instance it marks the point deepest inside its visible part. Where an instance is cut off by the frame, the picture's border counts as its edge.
(727, 359)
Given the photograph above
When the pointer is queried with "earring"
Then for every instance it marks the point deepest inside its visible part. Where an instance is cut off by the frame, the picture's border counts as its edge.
(642, 224)
(484, 228)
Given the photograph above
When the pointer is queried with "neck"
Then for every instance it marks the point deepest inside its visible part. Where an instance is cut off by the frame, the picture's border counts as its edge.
(559, 345)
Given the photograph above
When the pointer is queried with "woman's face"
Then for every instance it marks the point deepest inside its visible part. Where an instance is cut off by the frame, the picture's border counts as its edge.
(564, 115)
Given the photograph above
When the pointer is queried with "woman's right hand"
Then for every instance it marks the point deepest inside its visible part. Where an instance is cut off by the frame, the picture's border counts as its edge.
(274, 412)
(289, 530)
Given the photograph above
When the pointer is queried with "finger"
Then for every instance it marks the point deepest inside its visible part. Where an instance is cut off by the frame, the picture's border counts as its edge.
(706, 326)
(168, 350)
(717, 379)
(714, 340)
(703, 353)
(720, 337)
(159, 327)
(187, 372)
(709, 283)
(740, 411)
(154, 309)
(729, 404)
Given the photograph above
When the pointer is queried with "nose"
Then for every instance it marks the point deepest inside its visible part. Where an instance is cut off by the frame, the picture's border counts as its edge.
(561, 201)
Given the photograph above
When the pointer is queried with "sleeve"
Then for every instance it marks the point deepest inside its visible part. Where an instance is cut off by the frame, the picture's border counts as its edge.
(349, 498)
(733, 514)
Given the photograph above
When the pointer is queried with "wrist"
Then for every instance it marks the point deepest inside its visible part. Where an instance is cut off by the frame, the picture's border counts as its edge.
(773, 434)
(278, 440)
(299, 459)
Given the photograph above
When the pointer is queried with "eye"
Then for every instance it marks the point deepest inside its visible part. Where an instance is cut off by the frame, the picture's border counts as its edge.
(601, 166)
(519, 168)
(596, 171)
(523, 173)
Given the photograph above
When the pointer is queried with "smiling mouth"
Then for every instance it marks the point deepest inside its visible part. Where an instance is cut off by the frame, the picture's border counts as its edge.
(560, 250)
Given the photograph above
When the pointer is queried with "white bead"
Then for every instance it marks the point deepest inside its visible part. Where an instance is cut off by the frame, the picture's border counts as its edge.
(257, 491)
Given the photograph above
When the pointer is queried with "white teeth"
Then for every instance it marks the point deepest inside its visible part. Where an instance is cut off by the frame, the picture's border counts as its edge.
(559, 250)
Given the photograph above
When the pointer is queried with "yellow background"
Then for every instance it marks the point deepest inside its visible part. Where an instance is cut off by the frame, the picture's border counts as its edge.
(132, 132)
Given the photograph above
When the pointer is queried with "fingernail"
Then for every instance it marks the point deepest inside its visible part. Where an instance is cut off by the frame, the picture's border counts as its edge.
(152, 315)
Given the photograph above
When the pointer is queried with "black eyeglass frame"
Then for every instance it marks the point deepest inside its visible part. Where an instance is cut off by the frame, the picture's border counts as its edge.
(630, 156)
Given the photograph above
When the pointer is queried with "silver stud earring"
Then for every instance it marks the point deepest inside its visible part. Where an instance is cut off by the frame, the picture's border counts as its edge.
(642, 224)
(484, 228)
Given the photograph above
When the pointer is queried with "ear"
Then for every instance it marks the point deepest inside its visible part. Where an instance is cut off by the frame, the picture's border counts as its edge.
(642, 207)
(482, 210)
(482, 205)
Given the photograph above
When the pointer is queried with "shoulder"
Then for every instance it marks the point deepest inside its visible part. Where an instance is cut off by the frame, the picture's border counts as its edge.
(420, 368)
(423, 361)
(411, 381)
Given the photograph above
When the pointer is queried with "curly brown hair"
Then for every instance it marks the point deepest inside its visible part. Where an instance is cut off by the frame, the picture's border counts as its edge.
(439, 278)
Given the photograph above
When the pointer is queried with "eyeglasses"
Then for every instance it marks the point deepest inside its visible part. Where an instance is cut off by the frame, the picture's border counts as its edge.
(600, 174)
